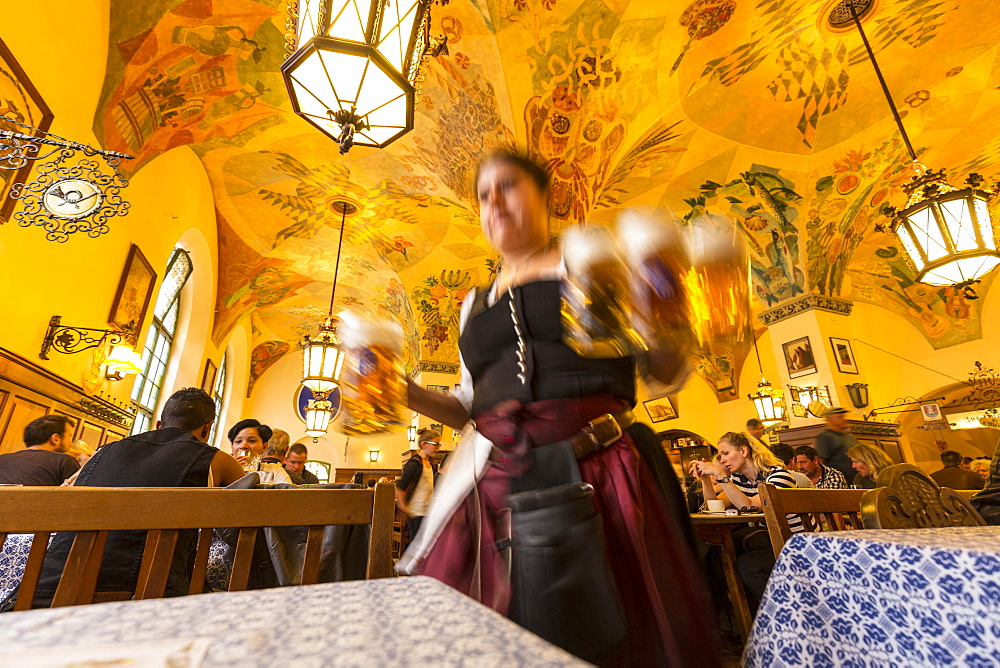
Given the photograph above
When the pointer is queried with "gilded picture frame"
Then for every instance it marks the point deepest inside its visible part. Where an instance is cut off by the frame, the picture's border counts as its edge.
(661, 409)
(20, 100)
(135, 291)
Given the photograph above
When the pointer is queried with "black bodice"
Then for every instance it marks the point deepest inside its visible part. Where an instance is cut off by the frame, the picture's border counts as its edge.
(553, 371)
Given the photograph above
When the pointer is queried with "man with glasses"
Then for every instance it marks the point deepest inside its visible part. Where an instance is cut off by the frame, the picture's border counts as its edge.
(416, 486)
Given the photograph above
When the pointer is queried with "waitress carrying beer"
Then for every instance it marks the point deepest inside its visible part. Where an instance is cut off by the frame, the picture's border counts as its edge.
(526, 388)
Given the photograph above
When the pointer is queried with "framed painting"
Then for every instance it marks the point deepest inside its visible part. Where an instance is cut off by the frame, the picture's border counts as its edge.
(799, 357)
(844, 355)
(208, 376)
(135, 290)
(660, 409)
(20, 101)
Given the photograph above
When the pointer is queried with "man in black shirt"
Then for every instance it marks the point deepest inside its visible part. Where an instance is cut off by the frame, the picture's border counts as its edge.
(43, 461)
(295, 463)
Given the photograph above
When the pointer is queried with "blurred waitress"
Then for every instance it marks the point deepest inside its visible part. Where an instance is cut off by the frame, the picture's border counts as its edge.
(548, 394)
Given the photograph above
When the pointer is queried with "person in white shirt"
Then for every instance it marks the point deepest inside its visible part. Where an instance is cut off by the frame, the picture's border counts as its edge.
(416, 486)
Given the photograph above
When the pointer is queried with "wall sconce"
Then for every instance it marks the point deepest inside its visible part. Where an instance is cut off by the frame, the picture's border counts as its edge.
(373, 456)
(70, 340)
(411, 434)
(121, 362)
(859, 394)
(807, 395)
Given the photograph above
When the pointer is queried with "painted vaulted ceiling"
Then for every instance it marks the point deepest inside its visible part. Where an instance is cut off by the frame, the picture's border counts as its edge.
(751, 108)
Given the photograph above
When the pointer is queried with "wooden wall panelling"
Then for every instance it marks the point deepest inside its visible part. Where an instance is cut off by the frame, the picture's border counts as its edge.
(28, 391)
(22, 411)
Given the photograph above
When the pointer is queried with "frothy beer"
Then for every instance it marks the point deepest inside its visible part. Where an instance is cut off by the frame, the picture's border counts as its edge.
(654, 248)
(373, 388)
(595, 305)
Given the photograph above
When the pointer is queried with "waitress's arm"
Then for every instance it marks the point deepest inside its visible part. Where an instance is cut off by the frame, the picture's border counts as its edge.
(443, 408)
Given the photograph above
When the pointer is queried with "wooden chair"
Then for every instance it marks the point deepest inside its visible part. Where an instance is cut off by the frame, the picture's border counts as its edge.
(94, 511)
(820, 509)
(908, 498)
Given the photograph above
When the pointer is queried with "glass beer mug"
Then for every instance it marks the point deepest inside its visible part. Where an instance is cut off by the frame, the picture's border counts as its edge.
(653, 246)
(596, 316)
(372, 386)
(718, 283)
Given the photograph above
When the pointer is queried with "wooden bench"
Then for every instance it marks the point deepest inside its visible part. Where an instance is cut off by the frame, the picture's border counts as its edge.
(94, 511)
(820, 509)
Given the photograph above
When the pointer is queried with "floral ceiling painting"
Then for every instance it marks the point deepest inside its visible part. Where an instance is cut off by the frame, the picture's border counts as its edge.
(756, 110)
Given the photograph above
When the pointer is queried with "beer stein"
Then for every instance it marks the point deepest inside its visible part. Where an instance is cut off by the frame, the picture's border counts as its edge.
(718, 283)
(596, 316)
(654, 249)
(372, 387)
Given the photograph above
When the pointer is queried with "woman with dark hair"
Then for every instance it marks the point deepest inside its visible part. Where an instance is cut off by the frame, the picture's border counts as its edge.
(526, 390)
(249, 439)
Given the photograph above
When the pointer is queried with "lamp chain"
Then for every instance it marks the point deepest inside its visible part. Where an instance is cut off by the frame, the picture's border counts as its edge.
(336, 268)
(881, 80)
(940, 373)
(759, 366)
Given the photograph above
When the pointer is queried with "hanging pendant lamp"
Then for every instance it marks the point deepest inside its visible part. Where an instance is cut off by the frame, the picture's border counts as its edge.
(947, 232)
(354, 66)
(768, 402)
(323, 355)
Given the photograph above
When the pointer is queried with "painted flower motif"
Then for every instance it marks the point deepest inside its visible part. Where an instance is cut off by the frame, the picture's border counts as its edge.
(706, 17)
(462, 60)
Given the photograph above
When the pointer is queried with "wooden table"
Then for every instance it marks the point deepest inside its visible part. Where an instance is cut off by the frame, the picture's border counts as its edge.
(717, 529)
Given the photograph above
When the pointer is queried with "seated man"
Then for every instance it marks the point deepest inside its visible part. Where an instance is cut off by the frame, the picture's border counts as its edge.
(953, 476)
(276, 451)
(807, 461)
(786, 454)
(295, 462)
(172, 455)
(43, 461)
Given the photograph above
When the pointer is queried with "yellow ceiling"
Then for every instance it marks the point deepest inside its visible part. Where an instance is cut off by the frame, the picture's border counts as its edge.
(752, 109)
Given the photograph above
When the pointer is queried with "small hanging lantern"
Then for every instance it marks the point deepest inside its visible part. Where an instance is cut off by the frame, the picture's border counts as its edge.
(769, 404)
(322, 359)
(319, 412)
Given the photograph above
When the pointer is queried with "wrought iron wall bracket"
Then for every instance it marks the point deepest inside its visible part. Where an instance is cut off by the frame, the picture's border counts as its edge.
(69, 340)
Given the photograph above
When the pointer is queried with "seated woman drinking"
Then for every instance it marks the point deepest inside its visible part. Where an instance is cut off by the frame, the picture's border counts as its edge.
(744, 464)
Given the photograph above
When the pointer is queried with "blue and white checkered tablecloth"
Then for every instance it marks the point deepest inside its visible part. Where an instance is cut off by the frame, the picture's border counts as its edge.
(915, 597)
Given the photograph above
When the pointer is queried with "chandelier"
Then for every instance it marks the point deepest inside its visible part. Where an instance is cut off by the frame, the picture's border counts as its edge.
(947, 232)
(322, 355)
(354, 65)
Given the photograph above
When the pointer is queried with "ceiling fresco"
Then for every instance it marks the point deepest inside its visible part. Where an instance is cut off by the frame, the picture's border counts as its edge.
(754, 110)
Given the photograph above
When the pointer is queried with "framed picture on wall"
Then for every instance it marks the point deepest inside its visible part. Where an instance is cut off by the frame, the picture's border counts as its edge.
(660, 409)
(799, 357)
(443, 389)
(21, 101)
(208, 376)
(844, 355)
(135, 290)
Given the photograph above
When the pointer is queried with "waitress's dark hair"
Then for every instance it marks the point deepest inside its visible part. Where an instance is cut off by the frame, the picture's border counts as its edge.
(522, 162)
(262, 429)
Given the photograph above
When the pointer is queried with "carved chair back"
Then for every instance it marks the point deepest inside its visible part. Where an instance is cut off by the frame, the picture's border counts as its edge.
(908, 498)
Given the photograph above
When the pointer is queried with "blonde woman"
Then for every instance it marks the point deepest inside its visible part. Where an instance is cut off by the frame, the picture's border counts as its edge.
(744, 464)
(868, 462)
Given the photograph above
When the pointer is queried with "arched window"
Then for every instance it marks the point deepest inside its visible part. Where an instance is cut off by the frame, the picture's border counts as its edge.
(219, 397)
(159, 341)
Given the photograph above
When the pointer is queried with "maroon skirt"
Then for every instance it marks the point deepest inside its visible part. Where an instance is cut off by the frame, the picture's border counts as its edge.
(666, 603)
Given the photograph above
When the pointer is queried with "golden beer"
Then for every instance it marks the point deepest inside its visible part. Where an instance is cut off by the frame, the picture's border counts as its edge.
(718, 285)
(596, 316)
(373, 386)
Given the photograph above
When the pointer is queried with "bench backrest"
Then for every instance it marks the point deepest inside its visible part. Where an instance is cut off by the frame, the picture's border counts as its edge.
(820, 509)
(908, 498)
(92, 512)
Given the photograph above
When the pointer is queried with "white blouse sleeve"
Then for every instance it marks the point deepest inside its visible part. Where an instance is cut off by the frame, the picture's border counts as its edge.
(463, 392)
